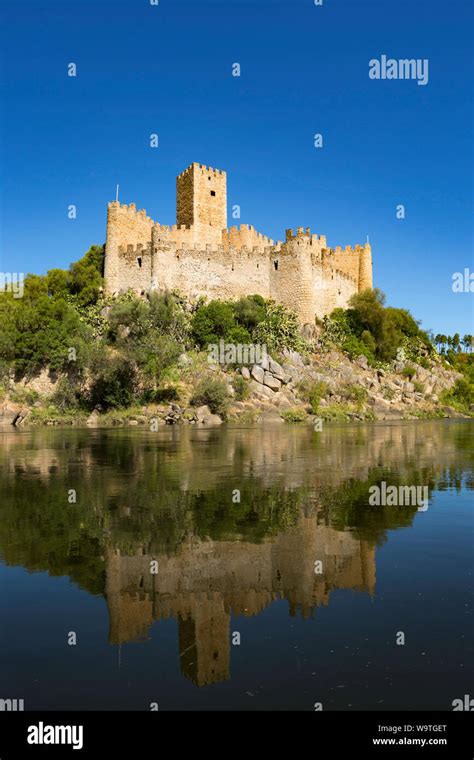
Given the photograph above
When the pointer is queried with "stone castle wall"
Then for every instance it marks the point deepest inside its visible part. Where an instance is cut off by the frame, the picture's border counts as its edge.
(199, 256)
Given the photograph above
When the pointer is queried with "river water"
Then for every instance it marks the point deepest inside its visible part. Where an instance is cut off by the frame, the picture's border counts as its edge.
(236, 568)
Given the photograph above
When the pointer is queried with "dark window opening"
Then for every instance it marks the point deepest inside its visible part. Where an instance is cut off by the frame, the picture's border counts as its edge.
(275, 264)
(213, 192)
(209, 179)
(139, 262)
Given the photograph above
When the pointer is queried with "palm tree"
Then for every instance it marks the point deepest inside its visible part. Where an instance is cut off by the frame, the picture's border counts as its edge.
(468, 341)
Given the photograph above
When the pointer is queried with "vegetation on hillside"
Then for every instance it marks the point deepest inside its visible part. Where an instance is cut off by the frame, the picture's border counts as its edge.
(371, 329)
(110, 353)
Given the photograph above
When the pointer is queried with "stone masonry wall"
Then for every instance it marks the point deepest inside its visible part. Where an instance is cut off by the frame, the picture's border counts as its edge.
(201, 257)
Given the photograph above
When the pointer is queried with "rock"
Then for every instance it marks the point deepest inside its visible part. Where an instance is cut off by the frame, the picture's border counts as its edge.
(271, 382)
(260, 391)
(380, 373)
(204, 416)
(361, 361)
(245, 372)
(265, 363)
(281, 401)
(287, 377)
(8, 413)
(293, 357)
(21, 416)
(398, 366)
(276, 369)
(132, 423)
(142, 420)
(272, 415)
(258, 374)
(93, 420)
(173, 415)
(450, 410)
(408, 387)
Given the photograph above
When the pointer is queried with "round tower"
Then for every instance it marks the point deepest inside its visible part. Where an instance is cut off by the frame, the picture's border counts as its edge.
(365, 268)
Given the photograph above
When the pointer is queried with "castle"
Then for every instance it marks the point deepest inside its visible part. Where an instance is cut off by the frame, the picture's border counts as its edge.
(200, 256)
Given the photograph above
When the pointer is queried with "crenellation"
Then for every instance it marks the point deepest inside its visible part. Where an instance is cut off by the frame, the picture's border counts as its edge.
(200, 256)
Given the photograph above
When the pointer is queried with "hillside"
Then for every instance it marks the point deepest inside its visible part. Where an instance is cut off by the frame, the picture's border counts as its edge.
(71, 355)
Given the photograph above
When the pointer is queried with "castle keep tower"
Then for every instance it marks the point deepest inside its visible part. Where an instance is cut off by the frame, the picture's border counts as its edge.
(201, 202)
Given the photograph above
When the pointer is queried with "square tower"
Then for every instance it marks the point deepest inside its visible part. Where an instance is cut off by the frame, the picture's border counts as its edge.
(201, 202)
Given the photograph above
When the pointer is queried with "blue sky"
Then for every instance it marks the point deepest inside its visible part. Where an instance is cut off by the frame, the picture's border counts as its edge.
(167, 69)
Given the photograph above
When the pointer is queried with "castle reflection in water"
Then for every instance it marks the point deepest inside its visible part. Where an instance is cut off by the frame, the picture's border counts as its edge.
(167, 497)
(209, 580)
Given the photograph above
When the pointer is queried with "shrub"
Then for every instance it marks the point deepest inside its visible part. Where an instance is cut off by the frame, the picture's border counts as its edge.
(212, 322)
(167, 315)
(409, 372)
(356, 393)
(249, 312)
(241, 388)
(213, 393)
(113, 381)
(294, 415)
(155, 353)
(461, 395)
(161, 395)
(335, 413)
(127, 320)
(280, 329)
(38, 330)
(24, 396)
(419, 387)
(313, 392)
(355, 347)
(238, 334)
(67, 395)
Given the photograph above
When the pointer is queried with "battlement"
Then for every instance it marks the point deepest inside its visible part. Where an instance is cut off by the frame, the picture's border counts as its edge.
(137, 249)
(245, 235)
(203, 170)
(302, 233)
(200, 256)
(355, 250)
(129, 210)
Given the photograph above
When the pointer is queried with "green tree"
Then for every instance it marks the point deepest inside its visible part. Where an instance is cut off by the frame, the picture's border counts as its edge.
(212, 322)
(85, 279)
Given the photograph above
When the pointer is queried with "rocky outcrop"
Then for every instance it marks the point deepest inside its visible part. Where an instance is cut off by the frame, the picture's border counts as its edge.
(12, 414)
(345, 390)
(353, 388)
